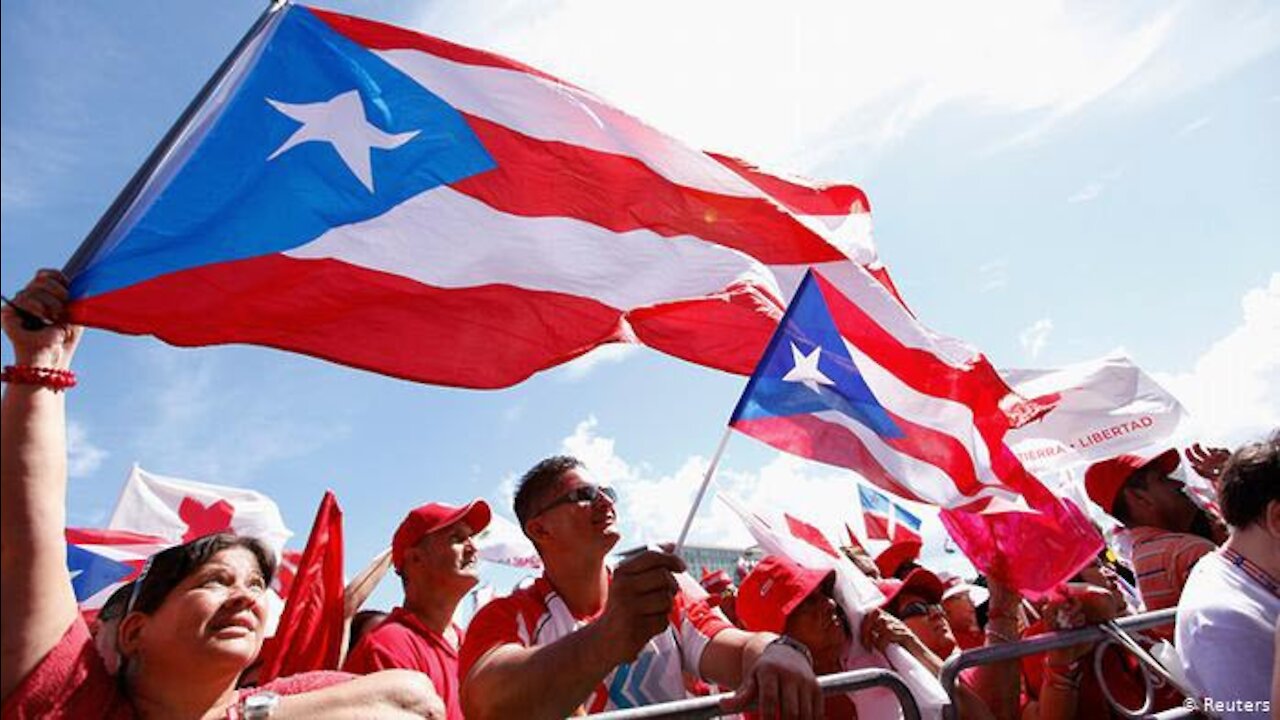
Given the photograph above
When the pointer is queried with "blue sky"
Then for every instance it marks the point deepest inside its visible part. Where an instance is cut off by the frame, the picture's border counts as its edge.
(1048, 181)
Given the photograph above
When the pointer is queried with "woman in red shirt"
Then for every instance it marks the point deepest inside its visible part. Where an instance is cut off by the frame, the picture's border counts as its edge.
(195, 617)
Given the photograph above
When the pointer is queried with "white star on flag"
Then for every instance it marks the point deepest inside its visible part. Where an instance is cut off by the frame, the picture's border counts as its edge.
(341, 122)
(806, 369)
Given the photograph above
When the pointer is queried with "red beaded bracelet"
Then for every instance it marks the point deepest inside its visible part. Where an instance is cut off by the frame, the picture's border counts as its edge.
(51, 378)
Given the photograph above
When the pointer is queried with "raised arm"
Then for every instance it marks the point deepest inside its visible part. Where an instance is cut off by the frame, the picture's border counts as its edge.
(36, 601)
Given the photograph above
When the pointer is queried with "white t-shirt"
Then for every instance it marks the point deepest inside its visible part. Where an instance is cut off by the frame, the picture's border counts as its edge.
(1225, 638)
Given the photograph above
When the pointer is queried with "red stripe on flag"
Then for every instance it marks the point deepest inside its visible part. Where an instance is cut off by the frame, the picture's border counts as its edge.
(380, 36)
(978, 386)
(483, 337)
(84, 536)
(813, 199)
(542, 178)
(817, 439)
(939, 449)
(877, 526)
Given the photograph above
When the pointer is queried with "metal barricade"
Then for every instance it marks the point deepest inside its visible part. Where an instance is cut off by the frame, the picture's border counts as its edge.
(1049, 641)
(709, 706)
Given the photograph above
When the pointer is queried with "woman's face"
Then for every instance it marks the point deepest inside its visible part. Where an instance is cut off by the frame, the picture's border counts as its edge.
(816, 623)
(216, 617)
(927, 620)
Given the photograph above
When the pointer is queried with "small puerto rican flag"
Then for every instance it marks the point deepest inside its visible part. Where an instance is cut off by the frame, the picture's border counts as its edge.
(100, 561)
(875, 512)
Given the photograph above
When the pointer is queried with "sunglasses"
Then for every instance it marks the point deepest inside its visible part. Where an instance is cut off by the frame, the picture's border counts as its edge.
(918, 609)
(583, 494)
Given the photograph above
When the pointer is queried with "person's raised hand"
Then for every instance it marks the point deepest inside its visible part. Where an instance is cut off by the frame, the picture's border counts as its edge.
(641, 596)
(46, 297)
(880, 630)
(1207, 462)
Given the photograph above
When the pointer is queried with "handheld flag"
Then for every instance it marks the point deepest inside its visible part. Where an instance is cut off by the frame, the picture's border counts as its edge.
(1101, 409)
(395, 202)
(181, 510)
(854, 380)
(906, 526)
(100, 561)
(875, 512)
(810, 534)
(310, 634)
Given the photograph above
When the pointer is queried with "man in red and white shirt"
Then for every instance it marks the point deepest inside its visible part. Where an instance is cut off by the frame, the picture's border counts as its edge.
(582, 639)
(1165, 532)
(433, 554)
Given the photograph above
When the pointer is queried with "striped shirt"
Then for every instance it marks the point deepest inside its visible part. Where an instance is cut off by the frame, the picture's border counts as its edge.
(1161, 562)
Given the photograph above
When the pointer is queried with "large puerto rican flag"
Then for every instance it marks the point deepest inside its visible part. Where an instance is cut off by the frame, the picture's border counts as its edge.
(853, 380)
(395, 202)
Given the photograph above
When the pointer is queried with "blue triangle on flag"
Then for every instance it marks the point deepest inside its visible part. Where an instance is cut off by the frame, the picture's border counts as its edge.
(807, 327)
(91, 572)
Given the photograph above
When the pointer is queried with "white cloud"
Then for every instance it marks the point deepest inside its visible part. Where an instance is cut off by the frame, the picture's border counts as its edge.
(83, 457)
(1086, 193)
(1194, 126)
(774, 83)
(580, 367)
(1035, 337)
(993, 275)
(1233, 390)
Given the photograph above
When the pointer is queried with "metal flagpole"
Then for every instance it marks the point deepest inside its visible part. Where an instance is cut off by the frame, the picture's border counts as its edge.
(706, 480)
(111, 218)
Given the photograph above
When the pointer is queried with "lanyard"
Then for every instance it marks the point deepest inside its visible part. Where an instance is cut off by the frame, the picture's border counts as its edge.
(1250, 568)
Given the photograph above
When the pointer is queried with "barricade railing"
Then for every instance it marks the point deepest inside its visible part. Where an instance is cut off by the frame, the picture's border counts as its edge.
(1107, 634)
(709, 706)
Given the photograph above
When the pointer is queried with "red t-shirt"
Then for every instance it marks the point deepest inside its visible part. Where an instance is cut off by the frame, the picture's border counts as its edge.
(71, 681)
(402, 641)
(537, 615)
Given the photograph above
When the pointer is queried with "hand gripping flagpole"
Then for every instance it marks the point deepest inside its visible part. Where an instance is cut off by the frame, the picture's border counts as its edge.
(125, 200)
(702, 491)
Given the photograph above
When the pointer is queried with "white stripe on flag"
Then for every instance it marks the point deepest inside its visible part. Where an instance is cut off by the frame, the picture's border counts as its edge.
(424, 239)
(546, 110)
(931, 411)
(925, 480)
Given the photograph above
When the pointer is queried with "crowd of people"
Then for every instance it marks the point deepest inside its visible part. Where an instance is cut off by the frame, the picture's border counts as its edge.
(589, 635)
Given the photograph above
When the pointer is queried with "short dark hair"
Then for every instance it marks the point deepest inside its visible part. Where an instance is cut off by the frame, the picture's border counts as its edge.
(538, 481)
(1250, 481)
(168, 568)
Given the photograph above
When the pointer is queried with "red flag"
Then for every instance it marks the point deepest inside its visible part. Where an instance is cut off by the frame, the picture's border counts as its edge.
(810, 534)
(310, 634)
(853, 538)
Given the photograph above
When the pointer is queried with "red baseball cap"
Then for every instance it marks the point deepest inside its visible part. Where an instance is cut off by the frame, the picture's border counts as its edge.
(424, 520)
(773, 589)
(892, 557)
(919, 581)
(1104, 479)
(716, 581)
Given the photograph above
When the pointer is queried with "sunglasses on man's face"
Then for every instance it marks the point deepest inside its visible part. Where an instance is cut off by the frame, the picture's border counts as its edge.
(917, 609)
(583, 494)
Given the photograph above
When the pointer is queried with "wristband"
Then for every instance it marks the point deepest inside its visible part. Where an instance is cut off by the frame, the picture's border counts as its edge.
(794, 644)
(51, 378)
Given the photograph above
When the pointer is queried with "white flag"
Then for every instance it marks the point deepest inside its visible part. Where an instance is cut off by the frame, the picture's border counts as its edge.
(1100, 409)
(182, 510)
(503, 542)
